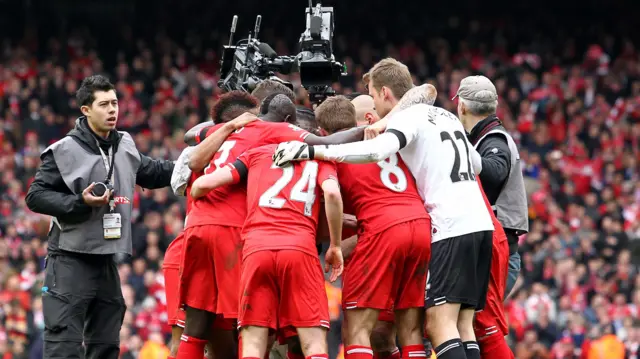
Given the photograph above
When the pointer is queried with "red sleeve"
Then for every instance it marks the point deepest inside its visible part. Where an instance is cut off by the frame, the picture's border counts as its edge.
(240, 167)
(326, 170)
(206, 132)
(285, 132)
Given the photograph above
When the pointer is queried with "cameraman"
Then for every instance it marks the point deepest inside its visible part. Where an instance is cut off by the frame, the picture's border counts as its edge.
(86, 183)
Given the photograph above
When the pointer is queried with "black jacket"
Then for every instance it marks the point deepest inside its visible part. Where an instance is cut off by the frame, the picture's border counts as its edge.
(48, 194)
(496, 157)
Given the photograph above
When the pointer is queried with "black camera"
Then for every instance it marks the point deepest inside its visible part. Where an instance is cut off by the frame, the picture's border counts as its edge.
(250, 61)
(316, 62)
(99, 189)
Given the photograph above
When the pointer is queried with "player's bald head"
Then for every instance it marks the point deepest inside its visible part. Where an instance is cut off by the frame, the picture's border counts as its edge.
(365, 110)
(278, 108)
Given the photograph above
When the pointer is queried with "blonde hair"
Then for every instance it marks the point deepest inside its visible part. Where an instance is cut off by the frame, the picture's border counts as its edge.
(392, 74)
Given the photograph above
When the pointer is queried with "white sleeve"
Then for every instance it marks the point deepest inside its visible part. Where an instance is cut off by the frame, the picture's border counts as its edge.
(181, 173)
(407, 123)
(476, 160)
(371, 151)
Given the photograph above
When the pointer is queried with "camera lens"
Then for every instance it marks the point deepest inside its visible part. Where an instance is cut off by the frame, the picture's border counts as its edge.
(99, 189)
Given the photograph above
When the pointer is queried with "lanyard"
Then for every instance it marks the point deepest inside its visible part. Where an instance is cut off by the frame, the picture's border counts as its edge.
(108, 164)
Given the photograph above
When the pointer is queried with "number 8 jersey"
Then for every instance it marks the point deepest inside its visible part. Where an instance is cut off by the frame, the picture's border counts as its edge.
(435, 148)
(380, 195)
(282, 203)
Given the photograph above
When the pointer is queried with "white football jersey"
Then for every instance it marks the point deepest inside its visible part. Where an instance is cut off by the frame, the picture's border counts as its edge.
(442, 161)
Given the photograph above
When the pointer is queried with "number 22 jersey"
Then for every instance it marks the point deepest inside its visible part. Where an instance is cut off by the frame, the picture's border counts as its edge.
(441, 159)
(227, 205)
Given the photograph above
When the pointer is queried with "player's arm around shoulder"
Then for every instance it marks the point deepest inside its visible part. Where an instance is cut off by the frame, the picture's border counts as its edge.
(229, 174)
(197, 133)
(204, 152)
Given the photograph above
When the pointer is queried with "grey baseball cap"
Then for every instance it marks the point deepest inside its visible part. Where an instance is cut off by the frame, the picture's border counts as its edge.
(477, 88)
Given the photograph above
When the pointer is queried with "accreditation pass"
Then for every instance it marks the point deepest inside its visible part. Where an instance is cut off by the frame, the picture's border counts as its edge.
(112, 224)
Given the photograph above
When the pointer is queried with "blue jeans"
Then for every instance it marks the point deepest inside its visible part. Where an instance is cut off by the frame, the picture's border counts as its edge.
(514, 271)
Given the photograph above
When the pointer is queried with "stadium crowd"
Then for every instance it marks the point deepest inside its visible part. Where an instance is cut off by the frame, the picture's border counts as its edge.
(575, 114)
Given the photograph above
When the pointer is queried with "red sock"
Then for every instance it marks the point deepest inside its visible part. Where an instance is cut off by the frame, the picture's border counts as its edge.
(495, 346)
(190, 347)
(358, 352)
(291, 355)
(413, 351)
(318, 356)
(395, 354)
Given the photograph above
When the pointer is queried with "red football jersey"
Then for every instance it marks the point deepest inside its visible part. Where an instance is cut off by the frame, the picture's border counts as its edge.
(498, 232)
(380, 194)
(227, 205)
(283, 203)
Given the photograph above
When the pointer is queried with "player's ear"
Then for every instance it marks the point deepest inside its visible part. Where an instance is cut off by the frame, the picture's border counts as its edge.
(369, 117)
(388, 94)
(384, 91)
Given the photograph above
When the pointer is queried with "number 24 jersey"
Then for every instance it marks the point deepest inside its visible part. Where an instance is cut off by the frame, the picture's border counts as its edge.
(442, 160)
(282, 203)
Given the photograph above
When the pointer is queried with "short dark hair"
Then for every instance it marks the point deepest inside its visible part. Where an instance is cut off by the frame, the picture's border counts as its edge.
(231, 105)
(336, 113)
(86, 93)
(305, 113)
(271, 87)
(306, 119)
(279, 108)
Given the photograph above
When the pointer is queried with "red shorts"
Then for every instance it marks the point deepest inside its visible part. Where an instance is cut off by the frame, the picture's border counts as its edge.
(396, 260)
(212, 263)
(387, 316)
(283, 288)
(171, 271)
(491, 319)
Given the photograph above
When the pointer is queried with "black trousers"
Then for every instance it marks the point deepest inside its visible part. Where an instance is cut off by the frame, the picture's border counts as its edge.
(82, 303)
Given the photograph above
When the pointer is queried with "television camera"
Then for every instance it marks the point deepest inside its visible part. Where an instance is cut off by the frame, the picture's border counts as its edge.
(250, 61)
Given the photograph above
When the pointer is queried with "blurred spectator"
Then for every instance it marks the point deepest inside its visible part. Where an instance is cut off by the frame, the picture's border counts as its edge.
(570, 99)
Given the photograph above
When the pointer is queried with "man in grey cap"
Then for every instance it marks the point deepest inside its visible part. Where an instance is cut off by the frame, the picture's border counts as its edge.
(501, 172)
